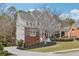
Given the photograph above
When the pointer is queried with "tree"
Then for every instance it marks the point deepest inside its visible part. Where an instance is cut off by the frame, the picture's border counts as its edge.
(70, 21)
(7, 23)
(11, 10)
(5, 26)
(54, 20)
(58, 23)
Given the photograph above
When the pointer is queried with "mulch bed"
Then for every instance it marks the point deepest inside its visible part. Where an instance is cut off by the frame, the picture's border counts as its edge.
(38, 45)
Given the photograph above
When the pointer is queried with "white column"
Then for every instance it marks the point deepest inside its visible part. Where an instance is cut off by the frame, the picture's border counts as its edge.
(60, 34)
(68, 35)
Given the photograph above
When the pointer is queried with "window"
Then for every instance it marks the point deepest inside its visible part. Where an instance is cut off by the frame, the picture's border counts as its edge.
(30, 24)
(38, 23)
(32, 33)
(73, 29)
(37, 33)
(77, 28)
(26, 23)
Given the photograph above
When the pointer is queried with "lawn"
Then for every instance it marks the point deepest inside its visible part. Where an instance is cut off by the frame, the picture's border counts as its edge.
(58, 46)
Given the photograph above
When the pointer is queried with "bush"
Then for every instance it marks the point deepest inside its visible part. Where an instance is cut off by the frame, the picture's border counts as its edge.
(9, 44)
(64, 39)
(1, 46)
(3, 53)
(61, 39)
(20, 43)
(52, 38)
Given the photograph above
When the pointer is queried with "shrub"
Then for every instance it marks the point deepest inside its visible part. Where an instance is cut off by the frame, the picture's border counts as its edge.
(9, 44)
(64, 39)
(3, 53)
(52, 39)
(1, 46)
(20, 43)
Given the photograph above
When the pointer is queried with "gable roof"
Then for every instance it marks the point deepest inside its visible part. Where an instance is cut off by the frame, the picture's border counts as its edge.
(66, 29)
(76, 25)
(25, 15)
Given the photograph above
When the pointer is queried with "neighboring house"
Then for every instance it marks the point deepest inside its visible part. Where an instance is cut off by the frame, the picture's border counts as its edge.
(64, 30)
(30, 26)
(73, 31)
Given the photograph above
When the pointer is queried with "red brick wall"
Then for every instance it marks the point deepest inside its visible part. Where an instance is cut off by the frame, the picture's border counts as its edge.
(29, 41)
(73, 33)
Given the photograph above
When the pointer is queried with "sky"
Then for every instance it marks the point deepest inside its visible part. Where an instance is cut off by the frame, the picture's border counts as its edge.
(62, 7)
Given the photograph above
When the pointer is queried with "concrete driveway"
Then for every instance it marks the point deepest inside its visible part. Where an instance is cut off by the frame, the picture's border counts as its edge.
(72, 53)
(31, 53)
(27, 53)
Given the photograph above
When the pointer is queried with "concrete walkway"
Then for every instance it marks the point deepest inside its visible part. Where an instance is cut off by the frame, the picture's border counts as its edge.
(27, 53)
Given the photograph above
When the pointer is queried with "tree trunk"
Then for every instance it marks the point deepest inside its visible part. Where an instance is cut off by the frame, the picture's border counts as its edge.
(60, 34)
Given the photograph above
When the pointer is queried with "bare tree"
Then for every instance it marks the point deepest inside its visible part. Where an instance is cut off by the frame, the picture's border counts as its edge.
(5, 26)
(7, 22)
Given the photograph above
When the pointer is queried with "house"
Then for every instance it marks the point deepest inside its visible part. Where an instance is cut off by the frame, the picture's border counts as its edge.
(64, 30)
(31, 26)
(73, 31)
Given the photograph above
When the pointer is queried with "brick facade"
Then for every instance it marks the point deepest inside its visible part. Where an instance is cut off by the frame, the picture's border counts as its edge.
(31, 40)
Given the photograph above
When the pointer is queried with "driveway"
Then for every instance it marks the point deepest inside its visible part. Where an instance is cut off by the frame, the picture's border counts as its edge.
(27, 53)
(72, 53)
(31, 53)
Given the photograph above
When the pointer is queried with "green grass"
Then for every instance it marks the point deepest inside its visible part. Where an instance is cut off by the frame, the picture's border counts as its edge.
(58, 46)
